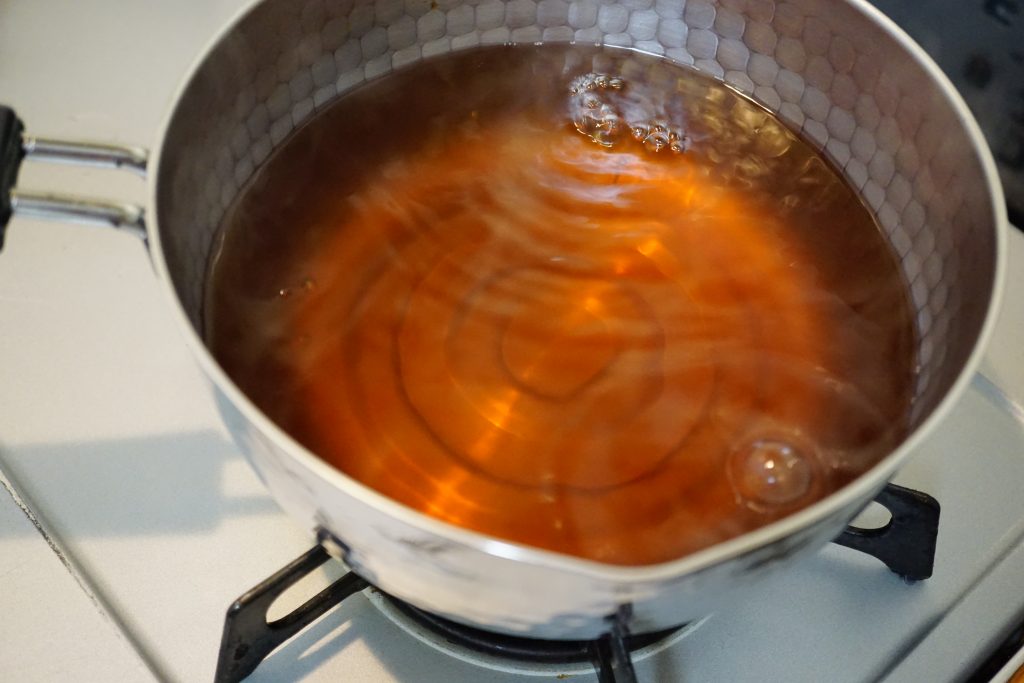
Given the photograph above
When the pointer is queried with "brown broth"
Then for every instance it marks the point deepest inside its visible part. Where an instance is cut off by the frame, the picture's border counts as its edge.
(573, 297)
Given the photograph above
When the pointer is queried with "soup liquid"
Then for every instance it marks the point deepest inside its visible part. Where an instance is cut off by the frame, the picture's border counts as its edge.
(573, 297)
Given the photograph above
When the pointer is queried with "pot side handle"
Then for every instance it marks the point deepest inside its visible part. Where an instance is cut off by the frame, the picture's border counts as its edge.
(11, 154)
(16, 146)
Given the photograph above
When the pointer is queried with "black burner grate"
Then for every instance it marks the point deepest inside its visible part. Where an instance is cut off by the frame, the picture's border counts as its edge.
(519, 648)
(611, 654)
(906, 544)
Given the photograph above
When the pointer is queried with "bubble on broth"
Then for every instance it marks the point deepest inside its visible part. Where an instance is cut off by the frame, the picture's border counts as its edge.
(607, 111)
(772, 472)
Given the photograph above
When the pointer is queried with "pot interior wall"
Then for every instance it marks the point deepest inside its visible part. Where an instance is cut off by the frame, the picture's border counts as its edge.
(825, 68)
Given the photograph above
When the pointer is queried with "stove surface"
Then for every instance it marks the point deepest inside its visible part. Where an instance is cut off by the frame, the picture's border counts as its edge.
(144, 522)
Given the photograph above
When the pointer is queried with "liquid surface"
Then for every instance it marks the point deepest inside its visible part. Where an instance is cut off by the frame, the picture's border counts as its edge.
(572, 297)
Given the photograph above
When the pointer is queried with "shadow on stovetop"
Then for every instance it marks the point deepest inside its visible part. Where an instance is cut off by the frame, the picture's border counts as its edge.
(310, 650)
(168, 483)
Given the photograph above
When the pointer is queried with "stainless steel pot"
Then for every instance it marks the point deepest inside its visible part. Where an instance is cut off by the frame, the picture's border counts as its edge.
(837, 70)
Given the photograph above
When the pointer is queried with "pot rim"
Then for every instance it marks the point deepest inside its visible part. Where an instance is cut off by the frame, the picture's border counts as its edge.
(861, 488)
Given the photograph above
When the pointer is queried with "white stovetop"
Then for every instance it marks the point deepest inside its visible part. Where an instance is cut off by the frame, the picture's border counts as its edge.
(154, 523)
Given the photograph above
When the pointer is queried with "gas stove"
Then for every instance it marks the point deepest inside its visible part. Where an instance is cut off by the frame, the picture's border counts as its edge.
(130, 521)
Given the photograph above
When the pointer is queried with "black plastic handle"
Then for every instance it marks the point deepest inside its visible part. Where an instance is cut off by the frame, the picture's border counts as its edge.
(11, 154)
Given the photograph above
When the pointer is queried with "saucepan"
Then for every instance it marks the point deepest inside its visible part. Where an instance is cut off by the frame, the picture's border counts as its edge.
(838, 71)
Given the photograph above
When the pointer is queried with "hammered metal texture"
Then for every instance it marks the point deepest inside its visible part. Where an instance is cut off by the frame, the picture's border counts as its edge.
(818, 67)
(824, 66)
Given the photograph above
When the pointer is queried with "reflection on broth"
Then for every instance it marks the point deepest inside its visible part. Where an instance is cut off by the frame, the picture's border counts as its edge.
(578, 298)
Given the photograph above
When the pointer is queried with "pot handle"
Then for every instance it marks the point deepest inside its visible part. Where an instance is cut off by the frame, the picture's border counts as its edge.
(11, 154)
(15, 147)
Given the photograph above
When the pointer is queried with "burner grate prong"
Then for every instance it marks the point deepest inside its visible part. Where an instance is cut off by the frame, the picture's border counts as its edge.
(248, 636)
(612, 657)
(906, 544)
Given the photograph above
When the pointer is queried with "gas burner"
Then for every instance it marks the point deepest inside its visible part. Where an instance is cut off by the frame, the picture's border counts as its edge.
(515, 654)
(906, 544)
